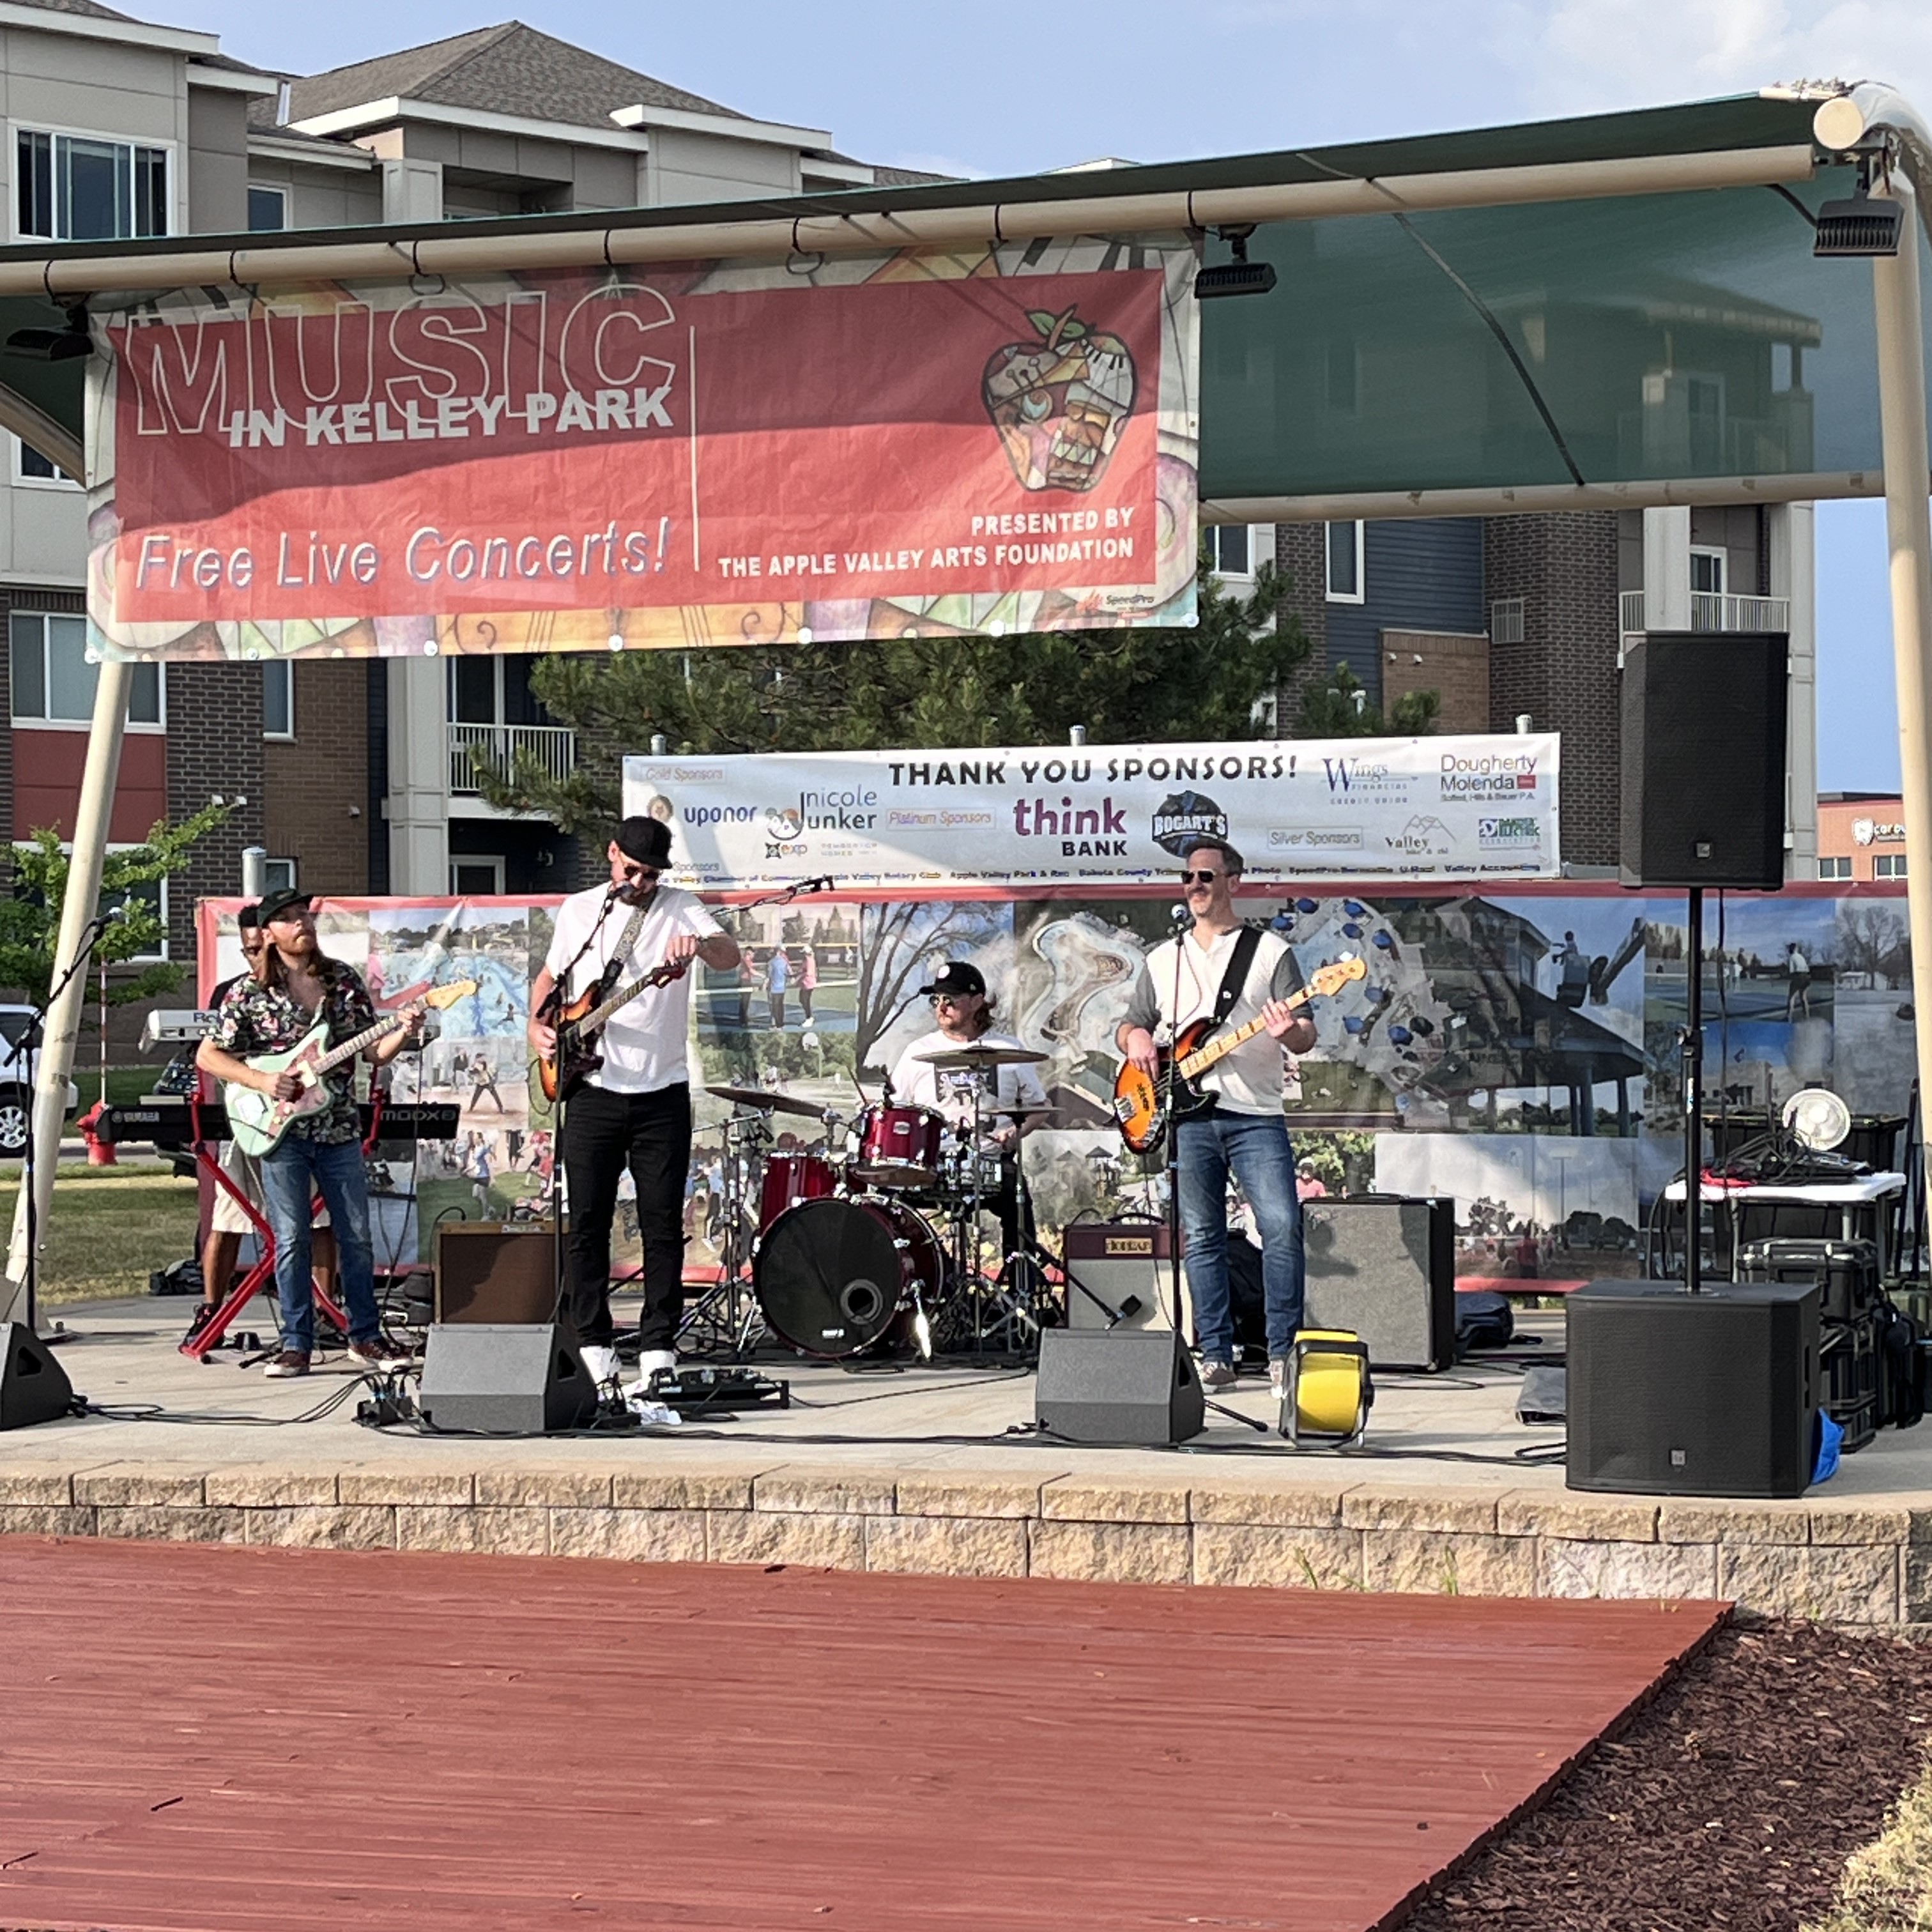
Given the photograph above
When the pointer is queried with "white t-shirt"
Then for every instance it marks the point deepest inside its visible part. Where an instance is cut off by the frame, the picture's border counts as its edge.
(643, 1044)
(918, 1083)
(1248, 1080)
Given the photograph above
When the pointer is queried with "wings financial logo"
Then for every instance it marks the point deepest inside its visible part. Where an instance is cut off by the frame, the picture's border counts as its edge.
(1184, 815)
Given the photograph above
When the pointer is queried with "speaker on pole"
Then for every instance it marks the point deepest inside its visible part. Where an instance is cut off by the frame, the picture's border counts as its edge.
(34, 1387)
(1117, 1386)
(504, 1379)
(1703, 759)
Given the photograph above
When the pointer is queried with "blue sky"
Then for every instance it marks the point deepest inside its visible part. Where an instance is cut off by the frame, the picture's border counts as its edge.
(977, 90)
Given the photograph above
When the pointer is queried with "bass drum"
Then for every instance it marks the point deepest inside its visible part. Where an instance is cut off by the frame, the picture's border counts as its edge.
(832, 1277)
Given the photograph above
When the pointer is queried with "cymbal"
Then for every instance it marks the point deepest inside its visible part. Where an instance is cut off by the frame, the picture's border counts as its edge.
(766, 1102)
(976, 1059)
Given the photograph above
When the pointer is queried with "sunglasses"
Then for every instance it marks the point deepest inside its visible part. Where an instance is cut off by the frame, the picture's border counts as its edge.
(1201, 878)
(640, 873)
(952, 999)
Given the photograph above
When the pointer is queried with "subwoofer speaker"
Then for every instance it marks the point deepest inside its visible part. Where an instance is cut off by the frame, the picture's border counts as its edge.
(501, 1378)
(1386, 1271)
(34, 1387)
(503, 1271)
(1703, 759)
(1102, 1385)
(1714, 1394)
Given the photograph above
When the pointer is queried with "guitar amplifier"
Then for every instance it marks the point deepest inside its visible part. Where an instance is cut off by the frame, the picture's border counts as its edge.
(1123, 1263)
(496, 1271)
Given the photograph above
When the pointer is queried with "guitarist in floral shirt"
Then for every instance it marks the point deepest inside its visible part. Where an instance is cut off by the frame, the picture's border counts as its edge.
(291, 983)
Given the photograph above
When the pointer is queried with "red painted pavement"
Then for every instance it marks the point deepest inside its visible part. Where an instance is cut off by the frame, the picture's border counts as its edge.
(220, 1739)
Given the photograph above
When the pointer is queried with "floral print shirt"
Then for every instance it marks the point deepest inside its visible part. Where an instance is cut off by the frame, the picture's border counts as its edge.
(255, 1019)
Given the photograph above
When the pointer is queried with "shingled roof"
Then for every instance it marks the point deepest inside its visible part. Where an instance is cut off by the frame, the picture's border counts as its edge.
(510, 69)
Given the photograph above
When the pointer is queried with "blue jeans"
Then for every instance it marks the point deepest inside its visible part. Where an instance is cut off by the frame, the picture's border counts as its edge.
(1257, 1148)
(290, 1176)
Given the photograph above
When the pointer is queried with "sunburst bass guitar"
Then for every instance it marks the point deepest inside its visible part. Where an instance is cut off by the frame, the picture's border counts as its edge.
(1139, 1096)
(579, 1023)
(259, 1121)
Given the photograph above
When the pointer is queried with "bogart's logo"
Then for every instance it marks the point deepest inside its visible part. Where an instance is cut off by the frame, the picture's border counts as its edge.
(1060, 404)
(1184, 815)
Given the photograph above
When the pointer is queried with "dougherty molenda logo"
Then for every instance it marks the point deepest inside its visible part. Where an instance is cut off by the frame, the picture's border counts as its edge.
(1184, 815)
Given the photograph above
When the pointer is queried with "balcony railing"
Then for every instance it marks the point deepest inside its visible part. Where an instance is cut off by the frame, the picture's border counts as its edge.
(551, 748)
(1713, 611)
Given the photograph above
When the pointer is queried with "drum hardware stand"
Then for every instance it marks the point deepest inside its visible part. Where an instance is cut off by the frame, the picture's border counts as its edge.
(723, 1314)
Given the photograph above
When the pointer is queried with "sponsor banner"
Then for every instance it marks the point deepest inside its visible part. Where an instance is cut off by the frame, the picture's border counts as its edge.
(723, 454)
(1360, 807)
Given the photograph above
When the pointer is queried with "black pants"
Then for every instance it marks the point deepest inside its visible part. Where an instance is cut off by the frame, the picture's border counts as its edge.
(603, 1134)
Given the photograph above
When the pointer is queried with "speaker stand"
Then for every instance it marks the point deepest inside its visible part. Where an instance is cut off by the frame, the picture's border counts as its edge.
(1693, 1051)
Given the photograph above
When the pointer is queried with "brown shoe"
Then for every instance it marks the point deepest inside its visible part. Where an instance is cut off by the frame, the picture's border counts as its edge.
(1217, 1374)
(290, 1363)
(379, 1352)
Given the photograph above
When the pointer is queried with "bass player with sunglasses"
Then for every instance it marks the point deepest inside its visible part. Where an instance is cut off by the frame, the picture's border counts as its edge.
(1218, 968)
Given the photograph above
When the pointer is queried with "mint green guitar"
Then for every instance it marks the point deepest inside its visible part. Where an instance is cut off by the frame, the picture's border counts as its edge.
(259, 1121)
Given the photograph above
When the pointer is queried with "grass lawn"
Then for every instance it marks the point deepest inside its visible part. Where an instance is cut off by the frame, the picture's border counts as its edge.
(109, 1228)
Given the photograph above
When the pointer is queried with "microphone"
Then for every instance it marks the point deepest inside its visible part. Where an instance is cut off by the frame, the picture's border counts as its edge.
(1180, 918)
(824, 885)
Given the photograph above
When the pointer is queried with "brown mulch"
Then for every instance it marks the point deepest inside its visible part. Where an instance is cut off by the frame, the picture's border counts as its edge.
(1731, 1801)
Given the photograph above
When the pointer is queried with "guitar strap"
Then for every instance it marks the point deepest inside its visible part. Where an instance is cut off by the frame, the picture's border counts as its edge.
(613, 970)
(1236, 977)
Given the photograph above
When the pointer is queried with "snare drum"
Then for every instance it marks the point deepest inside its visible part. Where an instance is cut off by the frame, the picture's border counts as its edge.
(833, 1277)
(898, 1147)
(790, 1177)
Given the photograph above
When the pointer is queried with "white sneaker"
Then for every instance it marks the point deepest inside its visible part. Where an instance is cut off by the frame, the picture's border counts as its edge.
(651, 1360)
(1277, 1380)
(600, 1364)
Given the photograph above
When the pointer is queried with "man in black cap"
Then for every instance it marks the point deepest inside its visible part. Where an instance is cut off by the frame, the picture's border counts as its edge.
(291, 983)
(965, 1011)
(635, 1110)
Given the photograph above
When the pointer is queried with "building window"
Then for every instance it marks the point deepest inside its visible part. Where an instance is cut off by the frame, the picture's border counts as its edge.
(73, 187)
(1834, 868)
(31, 466)
(268, 209)
(1889, 865)
(472, 878)
(1707, 573)
(278, 875)
(53, 681)
(1506, 621)
(1345, 562)
(1229, 553)
(475, 691)
(278, 699)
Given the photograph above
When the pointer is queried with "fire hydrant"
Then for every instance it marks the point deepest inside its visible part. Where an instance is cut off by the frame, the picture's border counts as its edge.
(99, 1152)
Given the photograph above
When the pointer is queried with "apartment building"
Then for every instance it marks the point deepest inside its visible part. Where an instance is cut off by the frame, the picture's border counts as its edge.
(355, 777)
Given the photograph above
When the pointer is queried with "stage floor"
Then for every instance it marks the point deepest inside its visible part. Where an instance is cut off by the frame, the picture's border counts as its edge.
(1457, 1428)
(931, 1470)
(206, 1739)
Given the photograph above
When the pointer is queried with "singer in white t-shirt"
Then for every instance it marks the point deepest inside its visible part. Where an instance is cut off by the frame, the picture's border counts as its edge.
(635, 1110)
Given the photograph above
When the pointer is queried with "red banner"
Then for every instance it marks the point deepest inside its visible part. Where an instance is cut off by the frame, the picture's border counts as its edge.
(577, 460)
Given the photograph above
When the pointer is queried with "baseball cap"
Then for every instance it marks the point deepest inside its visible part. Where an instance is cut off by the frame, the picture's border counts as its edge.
(956, 976)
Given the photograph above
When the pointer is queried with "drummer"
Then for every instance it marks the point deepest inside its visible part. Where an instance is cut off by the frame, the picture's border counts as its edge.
(964, 1012)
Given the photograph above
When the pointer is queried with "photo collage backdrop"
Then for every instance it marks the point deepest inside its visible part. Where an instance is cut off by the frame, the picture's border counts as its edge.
(1517, 1050)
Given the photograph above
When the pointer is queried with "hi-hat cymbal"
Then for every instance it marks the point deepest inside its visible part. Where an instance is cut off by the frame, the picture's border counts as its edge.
(767, 1101)
(976, 1059)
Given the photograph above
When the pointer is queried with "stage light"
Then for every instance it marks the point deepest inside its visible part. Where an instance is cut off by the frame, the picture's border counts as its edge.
(1240, 277)
(1860, 226)
(54, 345)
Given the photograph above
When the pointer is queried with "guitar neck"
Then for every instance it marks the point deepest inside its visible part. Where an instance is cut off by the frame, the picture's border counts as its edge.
(1203, 1057)
(350, 1048)
(622, 996)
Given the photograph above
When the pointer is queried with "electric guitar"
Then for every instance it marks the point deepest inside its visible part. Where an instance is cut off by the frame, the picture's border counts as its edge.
(1138, 1097)
(578, 1024)
(259, 1121)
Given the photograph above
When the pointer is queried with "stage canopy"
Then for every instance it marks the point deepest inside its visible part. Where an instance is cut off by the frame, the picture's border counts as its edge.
(1619, 308)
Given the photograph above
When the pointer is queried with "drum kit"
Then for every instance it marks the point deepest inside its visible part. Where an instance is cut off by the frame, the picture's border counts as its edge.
(870, 1240)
